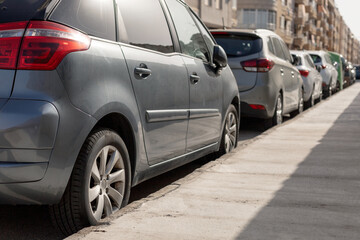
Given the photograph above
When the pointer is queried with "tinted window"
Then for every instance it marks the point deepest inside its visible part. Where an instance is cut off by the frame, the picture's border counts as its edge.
(208, 39)
(146, 25)
(270, 46)
(299, 59)
(310, 61)
(191, 40)
(278, 49)
(316, 58)
(239, 46)
(96, 18)
(12, 10)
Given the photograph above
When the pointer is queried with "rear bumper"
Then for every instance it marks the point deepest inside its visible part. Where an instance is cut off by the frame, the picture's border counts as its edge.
(27, 135)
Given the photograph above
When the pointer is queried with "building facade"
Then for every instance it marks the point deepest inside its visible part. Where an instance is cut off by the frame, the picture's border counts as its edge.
(215, 13)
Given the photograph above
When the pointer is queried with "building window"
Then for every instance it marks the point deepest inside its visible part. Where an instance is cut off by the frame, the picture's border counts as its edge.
(282, 23)
(257, 18)
(208, 2)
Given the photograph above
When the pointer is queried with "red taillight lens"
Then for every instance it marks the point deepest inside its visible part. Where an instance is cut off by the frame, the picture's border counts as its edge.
(258, 65)
(10, 40)
(45, 44)
(257, 107)
(304, 73)
(323, 66)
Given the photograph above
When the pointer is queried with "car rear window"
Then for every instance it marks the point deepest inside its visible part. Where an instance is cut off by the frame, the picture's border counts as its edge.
(316, 58)
(21, 10)
(299, 62)
(239, 46)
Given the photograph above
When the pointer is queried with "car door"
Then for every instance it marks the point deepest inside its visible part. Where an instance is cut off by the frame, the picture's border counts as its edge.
(205, 83)
(159, 78)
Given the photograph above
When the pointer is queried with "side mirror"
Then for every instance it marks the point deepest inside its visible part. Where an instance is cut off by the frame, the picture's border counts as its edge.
(219, 57)
(318, 68)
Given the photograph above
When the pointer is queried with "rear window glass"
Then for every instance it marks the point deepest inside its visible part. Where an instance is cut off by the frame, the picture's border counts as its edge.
(96, 18)
(299, 60)
(13, 11)
(316, 58)
(239, 46)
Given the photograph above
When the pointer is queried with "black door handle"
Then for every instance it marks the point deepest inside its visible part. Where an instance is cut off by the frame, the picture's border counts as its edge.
(142, 71)
(194, 78)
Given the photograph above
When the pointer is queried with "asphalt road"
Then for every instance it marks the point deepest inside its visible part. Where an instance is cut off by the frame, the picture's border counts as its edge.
(33, 222)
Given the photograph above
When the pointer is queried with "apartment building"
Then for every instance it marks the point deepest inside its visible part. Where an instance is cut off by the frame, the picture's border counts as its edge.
(275, 15)
(215, 13)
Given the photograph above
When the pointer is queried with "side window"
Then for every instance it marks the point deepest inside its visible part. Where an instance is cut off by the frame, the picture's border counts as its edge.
(96, 18)
(316, 58)
(286, 52)
(278, 49)
(270, 46)
(310, 62)
(146, 25)
(191, 40)
(299, 59)
(208, 39)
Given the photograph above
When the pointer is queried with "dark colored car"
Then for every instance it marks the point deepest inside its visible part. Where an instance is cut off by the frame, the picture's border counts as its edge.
(357, 71)
(350, 74)
(98, 96)
(269, 84)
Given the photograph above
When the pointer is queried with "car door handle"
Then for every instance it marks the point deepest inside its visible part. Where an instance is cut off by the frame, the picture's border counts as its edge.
(142, 71)
(194, 78)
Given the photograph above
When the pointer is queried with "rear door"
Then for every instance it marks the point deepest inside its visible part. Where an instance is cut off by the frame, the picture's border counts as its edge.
(205, 84)
(239, 49)
(159, 78)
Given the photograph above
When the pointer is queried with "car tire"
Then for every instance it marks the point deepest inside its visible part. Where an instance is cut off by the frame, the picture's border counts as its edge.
(300, 105)
(230, 131)
(277, 118)
(311, 102)
(99, 185)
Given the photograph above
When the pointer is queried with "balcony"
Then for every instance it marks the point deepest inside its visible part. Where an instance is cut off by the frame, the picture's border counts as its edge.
(305, 2)
(309, 27)
(300, 41)
(325, 25)
(321, 16)
(319, 32)
(312, 11)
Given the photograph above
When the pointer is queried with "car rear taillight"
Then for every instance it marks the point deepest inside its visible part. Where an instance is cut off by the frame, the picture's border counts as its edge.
(323, 66)
(45, 44)
(257, 65)
(10, 40)
(304, 73)
(38, 45)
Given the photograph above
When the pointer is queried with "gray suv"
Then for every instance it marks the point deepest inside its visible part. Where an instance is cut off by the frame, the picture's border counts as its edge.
(98, 96)
(269, 85)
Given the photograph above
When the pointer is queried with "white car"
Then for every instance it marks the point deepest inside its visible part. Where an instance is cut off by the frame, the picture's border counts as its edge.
(328, 71)
(312, 80)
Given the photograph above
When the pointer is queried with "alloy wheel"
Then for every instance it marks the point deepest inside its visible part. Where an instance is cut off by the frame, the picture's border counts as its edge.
(279, 111)
(107, 183)
(230, 132)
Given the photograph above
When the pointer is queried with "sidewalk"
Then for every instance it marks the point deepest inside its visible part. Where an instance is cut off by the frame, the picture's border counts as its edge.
(300, 180)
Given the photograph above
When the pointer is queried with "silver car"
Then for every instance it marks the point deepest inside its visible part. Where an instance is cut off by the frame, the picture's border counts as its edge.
(269, 85)
(328, 71)
(311, 77)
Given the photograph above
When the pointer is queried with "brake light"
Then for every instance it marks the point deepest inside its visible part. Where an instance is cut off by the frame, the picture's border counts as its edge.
(45, 44)
(257, 65)
(38, 45)
(10, 40)
(323, 66)
(304, 73)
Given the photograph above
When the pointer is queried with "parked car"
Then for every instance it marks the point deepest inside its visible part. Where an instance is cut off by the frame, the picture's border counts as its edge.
(269, 85)
(338, 60)
(96, 99)
(312, 79)
(357, 71)
(328, 72)
(350, 74)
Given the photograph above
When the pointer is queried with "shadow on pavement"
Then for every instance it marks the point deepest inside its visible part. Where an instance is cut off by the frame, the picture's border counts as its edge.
(321, 199)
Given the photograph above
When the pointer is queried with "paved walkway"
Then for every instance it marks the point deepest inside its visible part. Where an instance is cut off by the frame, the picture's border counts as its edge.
(297, 181)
